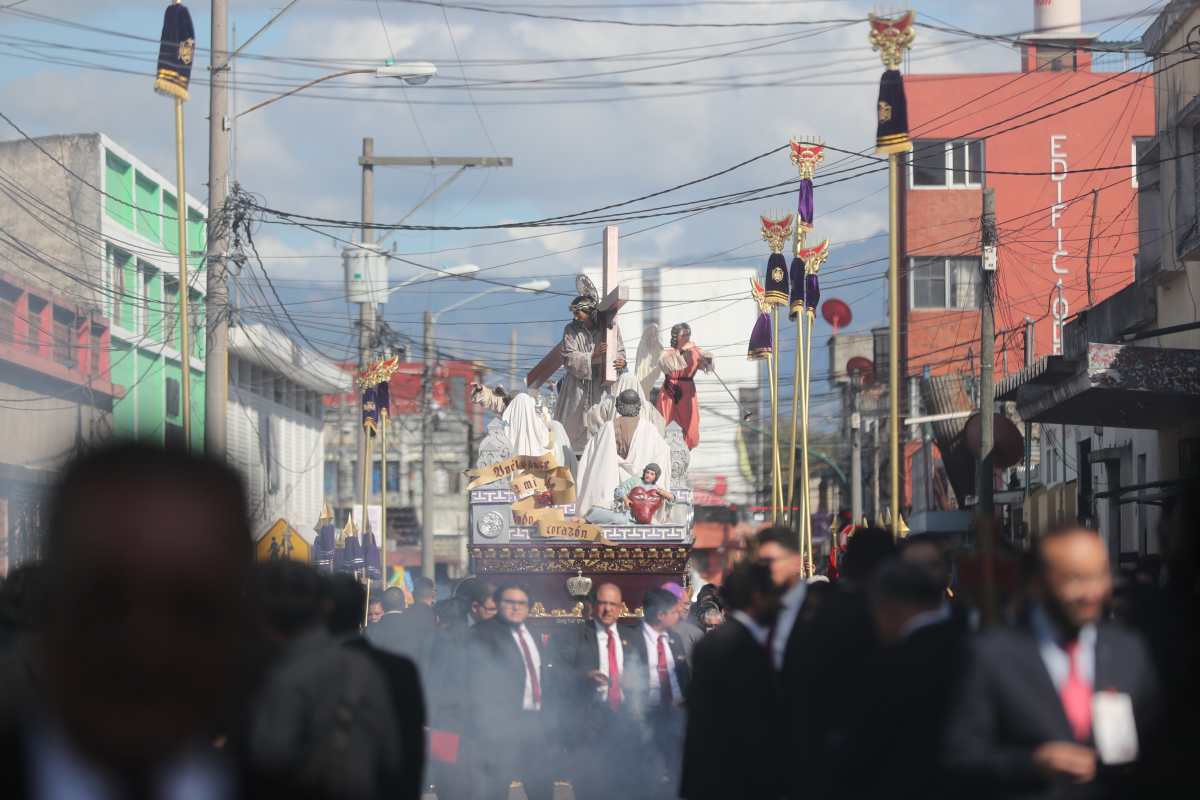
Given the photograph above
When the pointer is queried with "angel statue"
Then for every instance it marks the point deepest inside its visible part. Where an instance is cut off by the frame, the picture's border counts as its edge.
(678, 363)
(584, 351)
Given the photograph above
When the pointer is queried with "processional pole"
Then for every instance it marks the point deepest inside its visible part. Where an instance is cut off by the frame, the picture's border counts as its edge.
(776, 232)
(892, 37)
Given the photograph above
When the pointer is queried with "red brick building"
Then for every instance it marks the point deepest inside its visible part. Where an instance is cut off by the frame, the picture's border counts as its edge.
(1054, 141)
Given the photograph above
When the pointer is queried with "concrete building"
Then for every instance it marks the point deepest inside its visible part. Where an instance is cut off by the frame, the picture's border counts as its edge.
(458, 425)
(55, 397)
(277, 425)
(714, 300)
(87, 219)
(1066, 202)
(1120, 406)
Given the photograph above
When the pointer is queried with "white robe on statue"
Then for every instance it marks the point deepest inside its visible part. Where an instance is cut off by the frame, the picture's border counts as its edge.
(606, 409)
(532, 432)
(601, 470)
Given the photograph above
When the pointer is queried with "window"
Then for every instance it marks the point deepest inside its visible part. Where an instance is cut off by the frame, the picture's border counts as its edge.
(939, 282)
(122, 305)
(170, 309)
(64, 324)
(170, 224)
(172, 397)
(96, 343)
(151, 302)
(147, 200)
(331, 478)
(393, 476)
(1055, 59)
(8, 305)
(118, 185)
(947, 162)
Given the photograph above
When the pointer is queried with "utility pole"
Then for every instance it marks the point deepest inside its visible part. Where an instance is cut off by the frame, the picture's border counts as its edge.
(428, 564)
(512, 360)
(856, 497)
(876, 511)
(1088, 261)
(987, 357)
(216, 304)
(1029, 357)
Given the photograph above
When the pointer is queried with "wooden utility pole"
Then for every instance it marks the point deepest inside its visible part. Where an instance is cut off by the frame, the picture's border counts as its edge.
(985, 475)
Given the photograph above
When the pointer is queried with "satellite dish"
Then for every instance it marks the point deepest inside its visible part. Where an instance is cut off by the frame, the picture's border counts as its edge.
(862, 368)
(836, 313)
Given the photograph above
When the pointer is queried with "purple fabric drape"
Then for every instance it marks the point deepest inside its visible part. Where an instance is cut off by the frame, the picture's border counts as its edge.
(760, 338)
(804, 202)
(812, 292)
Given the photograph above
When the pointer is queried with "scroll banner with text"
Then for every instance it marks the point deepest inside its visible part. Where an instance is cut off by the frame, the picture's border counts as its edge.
(541, 486)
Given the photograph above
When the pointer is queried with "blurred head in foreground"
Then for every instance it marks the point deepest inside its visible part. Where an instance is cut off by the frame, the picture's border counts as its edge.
(148, 553)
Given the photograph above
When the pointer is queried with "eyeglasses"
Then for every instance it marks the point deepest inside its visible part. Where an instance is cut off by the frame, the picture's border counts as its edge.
(515, 603)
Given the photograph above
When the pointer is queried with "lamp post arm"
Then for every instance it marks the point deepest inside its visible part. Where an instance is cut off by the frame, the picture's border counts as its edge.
(437, 315)
(304, 86)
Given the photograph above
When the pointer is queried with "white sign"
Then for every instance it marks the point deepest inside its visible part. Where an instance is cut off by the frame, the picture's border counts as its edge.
(1058, 176)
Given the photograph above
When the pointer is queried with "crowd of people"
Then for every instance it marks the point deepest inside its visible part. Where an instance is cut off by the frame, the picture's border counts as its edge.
(148, 656)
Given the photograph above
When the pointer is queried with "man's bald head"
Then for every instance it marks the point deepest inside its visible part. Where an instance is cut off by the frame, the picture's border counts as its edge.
(1074, 579)
(608, 603)
(148, 553)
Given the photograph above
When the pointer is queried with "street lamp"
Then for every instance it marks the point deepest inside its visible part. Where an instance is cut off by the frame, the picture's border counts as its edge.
(413, 73)
(457, 271)
(428, 565)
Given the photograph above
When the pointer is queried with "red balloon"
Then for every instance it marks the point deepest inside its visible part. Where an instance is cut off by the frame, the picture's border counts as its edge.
(836, 312)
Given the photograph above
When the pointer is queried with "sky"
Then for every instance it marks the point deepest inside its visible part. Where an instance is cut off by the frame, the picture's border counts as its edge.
(585, 129)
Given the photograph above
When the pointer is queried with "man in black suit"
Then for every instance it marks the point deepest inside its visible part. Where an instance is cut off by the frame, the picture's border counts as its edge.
(602, 694)
(913, 679)
(407, 632)
(140, 665)
(1066, 704)
(661, 654)
(731, 747)
(505, 684)
(344, 620)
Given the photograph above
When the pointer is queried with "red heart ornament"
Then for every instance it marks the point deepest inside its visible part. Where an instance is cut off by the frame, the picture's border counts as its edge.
(643, 503)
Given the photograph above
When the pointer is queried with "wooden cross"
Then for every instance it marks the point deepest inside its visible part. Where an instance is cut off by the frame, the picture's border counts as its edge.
(616, 295)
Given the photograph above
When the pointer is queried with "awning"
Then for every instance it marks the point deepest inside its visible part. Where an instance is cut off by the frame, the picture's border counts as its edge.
(1045, 371)
(1117, 385)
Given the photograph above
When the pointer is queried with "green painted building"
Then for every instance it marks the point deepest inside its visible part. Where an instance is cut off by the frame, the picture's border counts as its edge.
(139, 225)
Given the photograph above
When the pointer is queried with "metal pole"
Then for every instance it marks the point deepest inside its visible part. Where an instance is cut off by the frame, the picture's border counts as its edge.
(383, 498)
(181, 205)
(1029, 357)
(876, 511)
(894, 164)
(805, 510)
(987, 342)
(428, 565)
(856, 478)
(366, 312)
(216, 302)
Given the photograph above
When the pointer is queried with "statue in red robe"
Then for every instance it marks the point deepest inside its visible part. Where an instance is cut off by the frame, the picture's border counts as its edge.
(677, 400)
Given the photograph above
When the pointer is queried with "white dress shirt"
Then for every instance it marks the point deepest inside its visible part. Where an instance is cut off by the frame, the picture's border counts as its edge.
(759, 632)
(793, 599)
(602, 643)
(1057, 662)
(652, 638)
(527, 702)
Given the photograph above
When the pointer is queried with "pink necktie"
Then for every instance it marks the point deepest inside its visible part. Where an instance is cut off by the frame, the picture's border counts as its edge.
(1077, 695)
(614, 672)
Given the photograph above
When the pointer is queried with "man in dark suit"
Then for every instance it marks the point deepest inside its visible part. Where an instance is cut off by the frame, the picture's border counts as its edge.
(1064, 705)
(601, 691)
(505, 684)
(731, 747)
(344, 619)
(913, 680)
(661, 653)
(139, 666)
(407, 632)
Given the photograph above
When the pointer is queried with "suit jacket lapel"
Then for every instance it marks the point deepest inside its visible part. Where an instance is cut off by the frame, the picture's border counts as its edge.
(1042, 684)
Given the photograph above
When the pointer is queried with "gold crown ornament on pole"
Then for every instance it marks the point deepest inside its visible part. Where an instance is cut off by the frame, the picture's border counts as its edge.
(892, 37)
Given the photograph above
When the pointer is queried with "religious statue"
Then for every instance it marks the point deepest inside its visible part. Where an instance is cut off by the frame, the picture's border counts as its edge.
(677, 400)
(527, 424)
(606, 409)
(584, 354)
(619, 450)
(636, 500)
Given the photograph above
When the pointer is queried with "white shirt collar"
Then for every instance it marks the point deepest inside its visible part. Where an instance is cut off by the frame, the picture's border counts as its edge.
(759, 632)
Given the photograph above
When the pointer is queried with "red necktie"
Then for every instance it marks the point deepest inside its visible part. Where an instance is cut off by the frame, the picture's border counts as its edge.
(1077, 695)
(614, 672)
(530, 670)
(664, 677)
